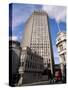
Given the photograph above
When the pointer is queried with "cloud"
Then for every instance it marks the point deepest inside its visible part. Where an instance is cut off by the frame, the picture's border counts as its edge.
(57, 12)
(20, 14)
(15, 38)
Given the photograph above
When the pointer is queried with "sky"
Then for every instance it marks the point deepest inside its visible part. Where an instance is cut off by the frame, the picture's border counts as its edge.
(21, 13)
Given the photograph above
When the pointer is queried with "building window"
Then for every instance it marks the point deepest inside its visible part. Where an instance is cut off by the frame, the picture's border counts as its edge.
(31, 57)
(48, 64)
(22, 63)
(28, 64)
(64, 57)
(61, 47)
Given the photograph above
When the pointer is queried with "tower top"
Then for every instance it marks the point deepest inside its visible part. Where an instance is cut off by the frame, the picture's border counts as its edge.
(61, 36)
(40, 12)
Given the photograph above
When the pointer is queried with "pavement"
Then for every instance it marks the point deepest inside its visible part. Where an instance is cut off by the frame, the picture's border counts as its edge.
(37, 83)
(42, 83)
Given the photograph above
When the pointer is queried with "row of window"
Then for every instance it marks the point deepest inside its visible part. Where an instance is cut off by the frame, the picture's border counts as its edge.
(34, 58)
(40, 20)
(39, 16)
(39, 23)
(40, 35)
(42, 53)
(40, 38)
(43, 46)
(38, 41)
(40, 48)
(31, 65)
(61, 47)
(40, 30)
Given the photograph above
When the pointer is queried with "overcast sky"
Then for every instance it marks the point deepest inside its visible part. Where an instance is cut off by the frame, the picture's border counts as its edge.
(21, 13)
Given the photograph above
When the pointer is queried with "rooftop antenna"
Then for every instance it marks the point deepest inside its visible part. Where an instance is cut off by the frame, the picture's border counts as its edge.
(58, 26)
(38, 9)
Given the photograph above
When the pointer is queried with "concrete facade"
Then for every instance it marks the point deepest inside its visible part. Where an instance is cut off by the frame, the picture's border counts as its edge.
(37, 37)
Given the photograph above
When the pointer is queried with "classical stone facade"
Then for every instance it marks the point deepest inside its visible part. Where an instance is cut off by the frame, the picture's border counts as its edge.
(61, 45)
(31, 67)
(14, 61)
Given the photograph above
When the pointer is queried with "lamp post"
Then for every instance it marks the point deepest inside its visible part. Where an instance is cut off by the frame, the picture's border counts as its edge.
(21, 72)
(21, 68)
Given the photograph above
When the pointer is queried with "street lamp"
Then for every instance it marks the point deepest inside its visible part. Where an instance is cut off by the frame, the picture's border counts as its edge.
(21, 68)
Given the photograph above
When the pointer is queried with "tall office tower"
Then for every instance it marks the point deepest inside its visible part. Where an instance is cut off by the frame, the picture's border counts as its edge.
(37, 37)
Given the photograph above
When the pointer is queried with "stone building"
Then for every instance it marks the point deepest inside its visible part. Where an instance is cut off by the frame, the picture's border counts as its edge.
(31, 67)
(61, 45)
(14, 61)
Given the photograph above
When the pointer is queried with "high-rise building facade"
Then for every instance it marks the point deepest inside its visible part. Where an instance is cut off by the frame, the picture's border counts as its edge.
(37, 37)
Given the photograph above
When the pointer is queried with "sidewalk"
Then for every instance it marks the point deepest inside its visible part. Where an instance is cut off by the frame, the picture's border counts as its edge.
(37, 83)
